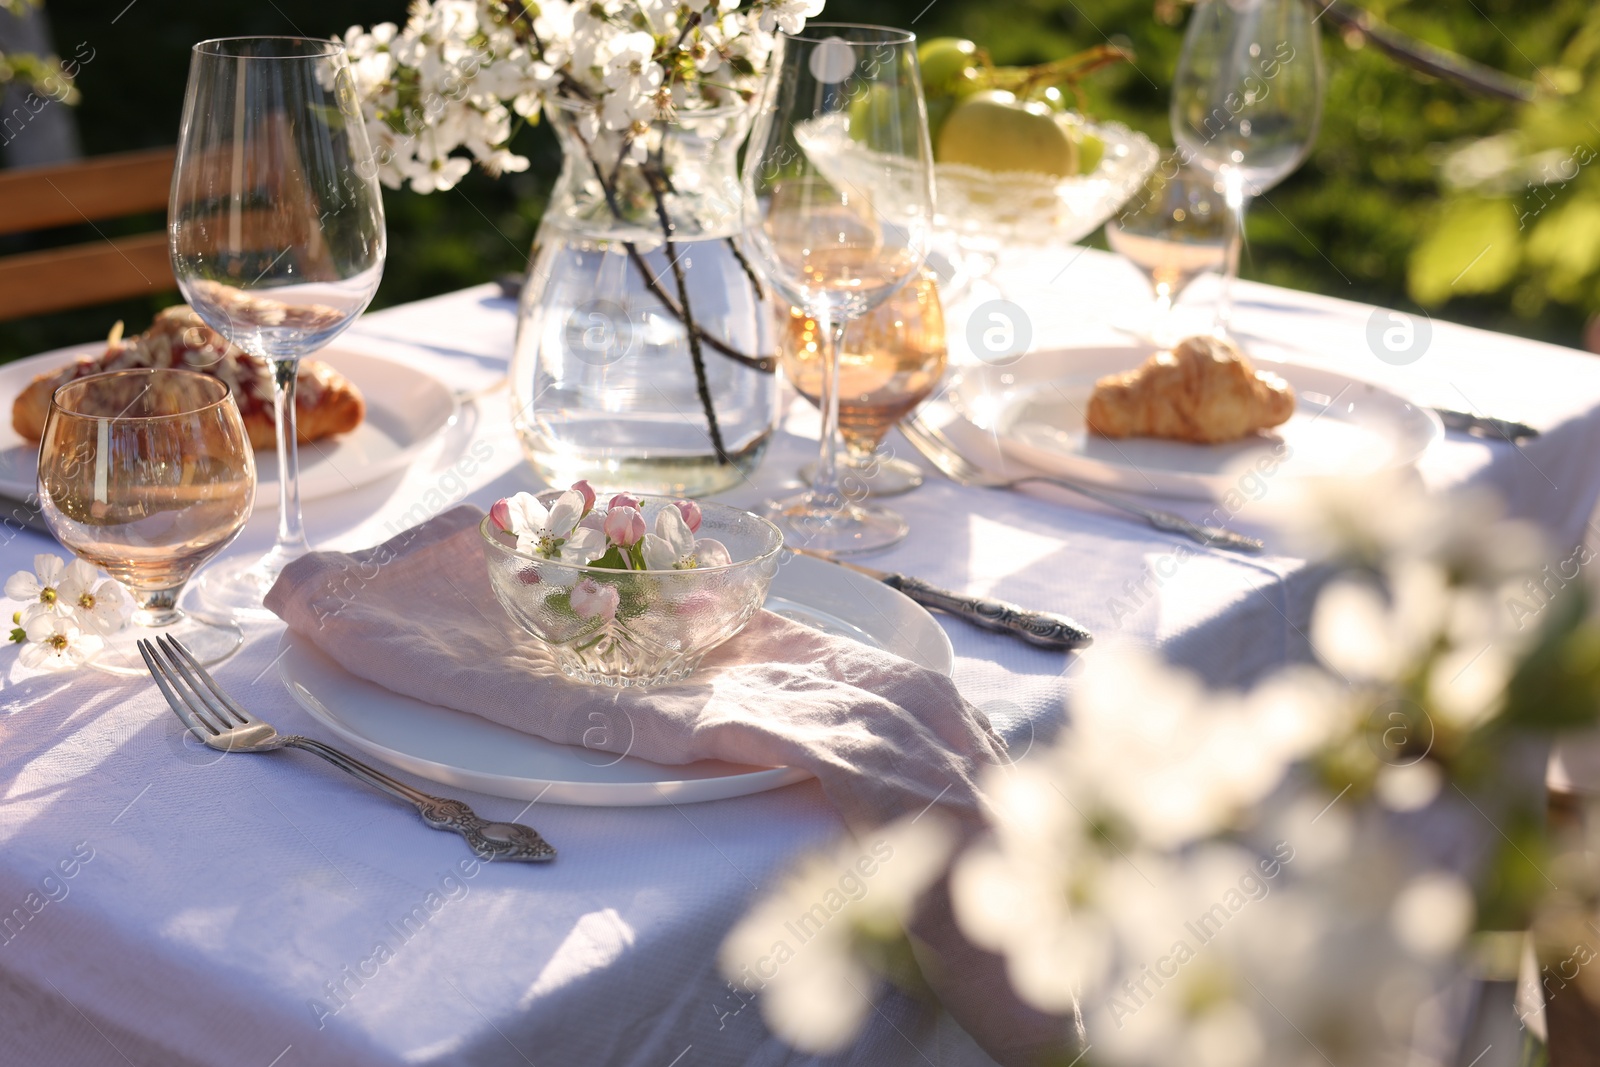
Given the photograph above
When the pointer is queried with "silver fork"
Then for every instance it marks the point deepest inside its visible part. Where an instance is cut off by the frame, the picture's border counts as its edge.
(939, 450)
(218, 720)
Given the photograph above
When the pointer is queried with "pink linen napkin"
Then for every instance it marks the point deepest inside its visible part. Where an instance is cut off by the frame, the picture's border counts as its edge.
(416, 615)
(884, 736)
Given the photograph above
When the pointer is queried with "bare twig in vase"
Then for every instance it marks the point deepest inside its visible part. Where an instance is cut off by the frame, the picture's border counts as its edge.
(749, 271)
(764, 364)
(658, 183)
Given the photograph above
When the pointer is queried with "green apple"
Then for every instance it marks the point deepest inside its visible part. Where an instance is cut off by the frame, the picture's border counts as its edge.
(993, 131)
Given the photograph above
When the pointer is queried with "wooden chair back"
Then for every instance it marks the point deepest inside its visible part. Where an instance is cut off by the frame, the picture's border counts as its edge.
(96, 272)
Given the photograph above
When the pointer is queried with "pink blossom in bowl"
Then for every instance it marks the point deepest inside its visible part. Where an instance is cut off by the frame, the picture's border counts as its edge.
(591, 600)
(624, 525)
(690, 512)
(585, 490)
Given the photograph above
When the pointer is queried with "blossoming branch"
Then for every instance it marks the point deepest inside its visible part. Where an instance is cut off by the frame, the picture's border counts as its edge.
(458, 71)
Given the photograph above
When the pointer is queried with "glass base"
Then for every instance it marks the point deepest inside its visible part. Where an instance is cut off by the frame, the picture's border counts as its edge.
(209, 640)
(835, 526)
(236, 588)
(876, 477)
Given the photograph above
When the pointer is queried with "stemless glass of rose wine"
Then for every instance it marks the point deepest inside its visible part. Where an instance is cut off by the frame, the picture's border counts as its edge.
(148, 473)
(893, 357)
(277, 235)
(838, 214)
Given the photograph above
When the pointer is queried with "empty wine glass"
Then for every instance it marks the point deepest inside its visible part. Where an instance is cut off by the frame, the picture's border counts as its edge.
(838, 215)
(1173, 230)
(148, 473)
(277, 236)
(1246, 103)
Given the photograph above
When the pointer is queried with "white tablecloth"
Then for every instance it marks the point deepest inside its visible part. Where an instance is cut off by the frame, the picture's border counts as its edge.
(266, 911)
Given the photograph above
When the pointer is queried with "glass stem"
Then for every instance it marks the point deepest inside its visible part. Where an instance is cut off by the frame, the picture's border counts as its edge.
(1233, 190)
(825, 484)
(1161, 324)
(158, 607)
(291, 542)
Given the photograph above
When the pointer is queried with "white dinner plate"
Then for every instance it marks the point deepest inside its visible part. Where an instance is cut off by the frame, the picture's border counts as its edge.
(470, 752)
(406, 409)
(1035, 409)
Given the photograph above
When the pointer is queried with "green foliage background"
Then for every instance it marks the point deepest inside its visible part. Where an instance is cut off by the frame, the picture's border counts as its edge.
(1367, 218)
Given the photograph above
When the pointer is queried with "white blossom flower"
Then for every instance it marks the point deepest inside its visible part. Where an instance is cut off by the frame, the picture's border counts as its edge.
(1022, 893)
(673, 545)
(1177, 762)
(788, 15)
(42, 584)
(98, 605)
(796, 944)
(630, 78)
(55, 642)
(1226, 879)
(552, 532)
(438, 92)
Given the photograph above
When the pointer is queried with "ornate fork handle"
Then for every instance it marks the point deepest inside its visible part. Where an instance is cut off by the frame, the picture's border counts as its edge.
(1161, 520)
(490, 840)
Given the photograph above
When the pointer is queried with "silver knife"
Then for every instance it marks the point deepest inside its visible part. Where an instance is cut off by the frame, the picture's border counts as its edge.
(1484, 426)
(22, 514)
(1041, 628)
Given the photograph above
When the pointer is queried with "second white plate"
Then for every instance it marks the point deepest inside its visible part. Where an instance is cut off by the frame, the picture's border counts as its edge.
(406, 410)
(470, 752)
(1341, 426)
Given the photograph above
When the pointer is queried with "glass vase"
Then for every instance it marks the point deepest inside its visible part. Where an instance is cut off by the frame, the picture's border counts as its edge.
(646, 346)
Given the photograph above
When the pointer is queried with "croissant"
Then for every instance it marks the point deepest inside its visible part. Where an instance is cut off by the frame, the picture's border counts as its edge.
(1203, 391)
(326, 402)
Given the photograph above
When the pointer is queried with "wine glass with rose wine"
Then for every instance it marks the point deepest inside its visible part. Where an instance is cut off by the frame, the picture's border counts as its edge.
(148, 473)
(836, 243)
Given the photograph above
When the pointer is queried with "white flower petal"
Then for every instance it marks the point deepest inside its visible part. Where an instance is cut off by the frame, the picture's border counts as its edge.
(49, 568)
(584, 546)
(671, 528)
(565, 513)
(44, 625)
(526, 514)
(23, 586)
(658, 554)
(712, 553)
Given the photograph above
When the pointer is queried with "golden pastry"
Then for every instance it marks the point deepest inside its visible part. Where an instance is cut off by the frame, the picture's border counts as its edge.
(1203, 391)
(326, 402)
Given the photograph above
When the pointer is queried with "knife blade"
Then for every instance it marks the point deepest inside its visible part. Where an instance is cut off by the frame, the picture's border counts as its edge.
(22, 514)
(1484, 426)
(1042, 628)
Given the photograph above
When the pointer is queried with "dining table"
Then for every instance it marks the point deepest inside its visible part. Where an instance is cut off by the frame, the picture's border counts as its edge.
(267, 912)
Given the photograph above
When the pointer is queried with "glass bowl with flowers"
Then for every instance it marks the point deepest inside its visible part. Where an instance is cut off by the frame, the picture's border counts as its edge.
(634, 593)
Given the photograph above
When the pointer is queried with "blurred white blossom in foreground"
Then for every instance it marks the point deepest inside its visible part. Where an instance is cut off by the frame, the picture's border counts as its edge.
(1290, 875)
(809, 946)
